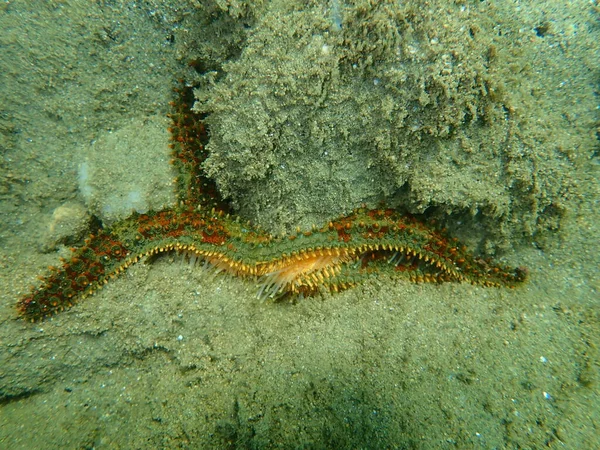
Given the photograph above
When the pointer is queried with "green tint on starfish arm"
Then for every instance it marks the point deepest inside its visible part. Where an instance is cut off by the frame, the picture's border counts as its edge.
(337, 256)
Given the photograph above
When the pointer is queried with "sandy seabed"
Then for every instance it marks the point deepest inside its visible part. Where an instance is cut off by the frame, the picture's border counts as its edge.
(169, 356)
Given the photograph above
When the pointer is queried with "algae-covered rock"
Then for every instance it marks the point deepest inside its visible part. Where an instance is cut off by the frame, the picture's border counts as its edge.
(334, 104)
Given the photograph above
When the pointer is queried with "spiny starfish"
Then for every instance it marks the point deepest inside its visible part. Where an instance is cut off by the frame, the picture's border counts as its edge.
(336, 256)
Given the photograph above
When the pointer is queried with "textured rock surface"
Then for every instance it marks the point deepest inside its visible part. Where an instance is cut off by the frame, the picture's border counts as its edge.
(408, 104)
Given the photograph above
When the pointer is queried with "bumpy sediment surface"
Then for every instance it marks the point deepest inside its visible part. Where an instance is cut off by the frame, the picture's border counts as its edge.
(416, 104)
(172, 356)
